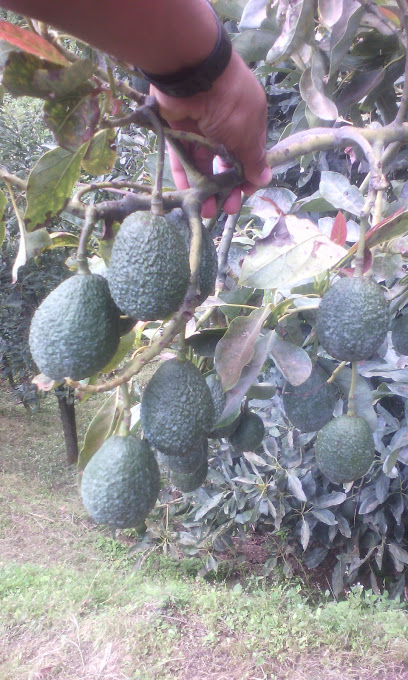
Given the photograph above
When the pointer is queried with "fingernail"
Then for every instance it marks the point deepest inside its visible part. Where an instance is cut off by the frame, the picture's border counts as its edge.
(265, 177)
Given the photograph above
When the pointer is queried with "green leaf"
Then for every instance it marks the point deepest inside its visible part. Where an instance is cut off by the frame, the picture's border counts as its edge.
(296, 31)
(330, 11)
(344, 33)
(63, 239)
(50, 184)
(312, 89)
(229, 9)
(248, 376)
(295, 487)
(399, 556)
(254, 44)
(363, 398)
(65, 81)
(3, 203)
(99, 428)
(282, 262)
(125, 345)
(325, 516)
(261, 391)
(31, 42)
(72, 119)
(338, 191)
(236, 347)
(205, 342)
(19, 72)
(101, 154)
(293, 362)
(30, 245)
(304, 534)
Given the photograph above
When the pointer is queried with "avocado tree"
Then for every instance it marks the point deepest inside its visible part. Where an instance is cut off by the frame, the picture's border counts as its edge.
(309, 277)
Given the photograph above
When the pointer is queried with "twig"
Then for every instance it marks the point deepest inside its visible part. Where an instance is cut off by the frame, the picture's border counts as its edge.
(91, 217)
(401, 114)
(336, 371)
(351, 409)
(157, 193)
(223, 250)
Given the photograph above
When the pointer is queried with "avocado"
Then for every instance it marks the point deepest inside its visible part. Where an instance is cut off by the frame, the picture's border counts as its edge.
(345, 449)
(75, 330)
(226, 430)
(190, 462)
(121, 482)
(310, 405)
(352, 319)
(208, 270)
(214, 383)
(399, 334)
(149, 270)
(177, 408)
(249, 433)
(190, 481)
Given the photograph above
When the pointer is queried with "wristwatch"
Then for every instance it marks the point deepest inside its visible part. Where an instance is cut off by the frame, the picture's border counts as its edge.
(189, 81)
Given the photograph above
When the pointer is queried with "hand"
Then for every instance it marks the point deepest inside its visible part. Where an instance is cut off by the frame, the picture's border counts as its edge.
(232, 113)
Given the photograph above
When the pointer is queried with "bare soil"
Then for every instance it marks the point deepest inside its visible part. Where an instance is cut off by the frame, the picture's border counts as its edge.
(42, 522)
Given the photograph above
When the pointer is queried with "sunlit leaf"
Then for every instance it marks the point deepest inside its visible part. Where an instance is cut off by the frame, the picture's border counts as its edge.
(295, 486)
(306, 254)
(101, 154)
(63, 239)
(330, 11)
(338, 191)
(50, 184)
(30, 245)
(296, 30)
(72, 119)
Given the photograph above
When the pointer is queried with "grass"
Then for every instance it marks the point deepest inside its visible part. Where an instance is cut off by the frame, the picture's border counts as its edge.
(73, 607)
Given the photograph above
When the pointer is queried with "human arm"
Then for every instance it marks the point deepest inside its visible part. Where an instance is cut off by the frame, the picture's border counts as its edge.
(164, 36)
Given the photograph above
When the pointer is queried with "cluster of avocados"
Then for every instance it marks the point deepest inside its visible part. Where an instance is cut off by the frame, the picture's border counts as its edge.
(351, 323)
(75, 333)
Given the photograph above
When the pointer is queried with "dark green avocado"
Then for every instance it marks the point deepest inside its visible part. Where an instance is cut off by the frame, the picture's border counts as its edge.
(149, 270)
(310, 405)
(345, 449)
(190, 481)
(214, 383)
(75, 331)
(399, 334)
(209, 261)
(352, 319)
(190, 462)
(177, 408)
(249, 433)
(121, 482)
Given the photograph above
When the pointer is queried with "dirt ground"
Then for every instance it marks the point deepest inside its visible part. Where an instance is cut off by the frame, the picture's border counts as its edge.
(42, 522)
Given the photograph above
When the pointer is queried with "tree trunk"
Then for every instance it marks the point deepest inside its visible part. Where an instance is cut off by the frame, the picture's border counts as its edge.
(66, 407)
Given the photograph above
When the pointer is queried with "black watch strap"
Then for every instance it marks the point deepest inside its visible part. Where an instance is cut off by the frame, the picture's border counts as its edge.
(190, 81)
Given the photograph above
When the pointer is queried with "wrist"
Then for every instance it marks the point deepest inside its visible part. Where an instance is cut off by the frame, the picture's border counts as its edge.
(191, 80)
